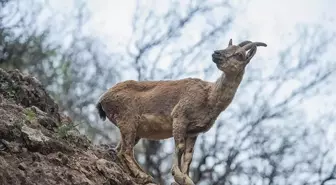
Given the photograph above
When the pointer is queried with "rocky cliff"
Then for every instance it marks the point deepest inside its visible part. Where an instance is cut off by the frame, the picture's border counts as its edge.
(40, 146)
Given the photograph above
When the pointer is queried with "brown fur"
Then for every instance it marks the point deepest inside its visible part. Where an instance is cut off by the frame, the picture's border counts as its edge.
(181, 109)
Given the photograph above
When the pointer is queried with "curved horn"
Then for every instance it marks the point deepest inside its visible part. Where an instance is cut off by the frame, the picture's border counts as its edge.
(244, 43)
(230, 42)
(248, 46)
(260, 44)
(251, 53)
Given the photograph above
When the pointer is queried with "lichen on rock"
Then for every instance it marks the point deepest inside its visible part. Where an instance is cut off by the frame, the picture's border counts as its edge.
(38, 146)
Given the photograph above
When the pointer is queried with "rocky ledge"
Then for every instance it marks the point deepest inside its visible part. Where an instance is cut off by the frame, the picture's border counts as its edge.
(40, 146)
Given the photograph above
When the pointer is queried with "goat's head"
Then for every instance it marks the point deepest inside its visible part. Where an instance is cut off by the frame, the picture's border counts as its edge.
(234, 58)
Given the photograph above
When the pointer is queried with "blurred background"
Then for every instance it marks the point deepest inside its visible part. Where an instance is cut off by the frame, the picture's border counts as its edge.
(280, 127)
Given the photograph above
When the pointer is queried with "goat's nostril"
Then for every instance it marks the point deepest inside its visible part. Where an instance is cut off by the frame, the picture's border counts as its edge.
(217, 54)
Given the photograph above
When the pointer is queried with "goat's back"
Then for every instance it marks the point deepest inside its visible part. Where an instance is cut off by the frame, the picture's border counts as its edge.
(158, 97)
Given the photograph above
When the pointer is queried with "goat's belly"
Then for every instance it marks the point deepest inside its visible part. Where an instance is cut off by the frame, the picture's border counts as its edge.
(155, 127)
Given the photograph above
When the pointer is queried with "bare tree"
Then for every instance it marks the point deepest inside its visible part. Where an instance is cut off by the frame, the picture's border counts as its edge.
(74, 69)
(266, 135)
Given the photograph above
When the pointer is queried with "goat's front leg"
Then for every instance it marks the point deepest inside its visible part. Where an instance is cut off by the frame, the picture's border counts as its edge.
(188, 154)
(179, 134)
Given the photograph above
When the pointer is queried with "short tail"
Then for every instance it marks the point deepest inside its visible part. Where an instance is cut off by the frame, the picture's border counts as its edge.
(101, 112)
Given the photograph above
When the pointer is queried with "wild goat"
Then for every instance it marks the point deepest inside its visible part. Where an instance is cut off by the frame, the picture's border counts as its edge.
(180, 108)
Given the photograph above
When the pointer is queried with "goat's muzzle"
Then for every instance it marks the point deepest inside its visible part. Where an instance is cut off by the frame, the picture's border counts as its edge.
(216, 57)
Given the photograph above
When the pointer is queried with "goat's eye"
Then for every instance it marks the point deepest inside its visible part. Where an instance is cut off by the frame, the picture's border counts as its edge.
(240, 56)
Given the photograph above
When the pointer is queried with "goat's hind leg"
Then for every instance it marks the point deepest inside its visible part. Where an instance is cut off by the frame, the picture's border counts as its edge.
(137, 139)
(119, 145)
(128, 140)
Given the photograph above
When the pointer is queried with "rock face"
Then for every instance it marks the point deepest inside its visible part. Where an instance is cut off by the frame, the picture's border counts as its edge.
(39, 145)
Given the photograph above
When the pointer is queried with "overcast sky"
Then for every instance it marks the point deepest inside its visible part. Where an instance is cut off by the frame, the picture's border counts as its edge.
(264, 19)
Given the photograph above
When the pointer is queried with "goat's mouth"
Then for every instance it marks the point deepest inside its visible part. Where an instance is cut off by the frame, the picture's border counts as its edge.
(216, 58)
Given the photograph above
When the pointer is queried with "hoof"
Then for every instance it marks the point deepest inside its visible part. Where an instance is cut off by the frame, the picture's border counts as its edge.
(145, 179)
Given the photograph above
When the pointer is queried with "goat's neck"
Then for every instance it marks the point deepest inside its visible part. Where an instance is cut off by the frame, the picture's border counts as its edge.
(224, 90)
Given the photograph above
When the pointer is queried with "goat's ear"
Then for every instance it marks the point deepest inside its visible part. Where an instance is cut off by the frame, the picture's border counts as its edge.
(251, 53)
(230, 42)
